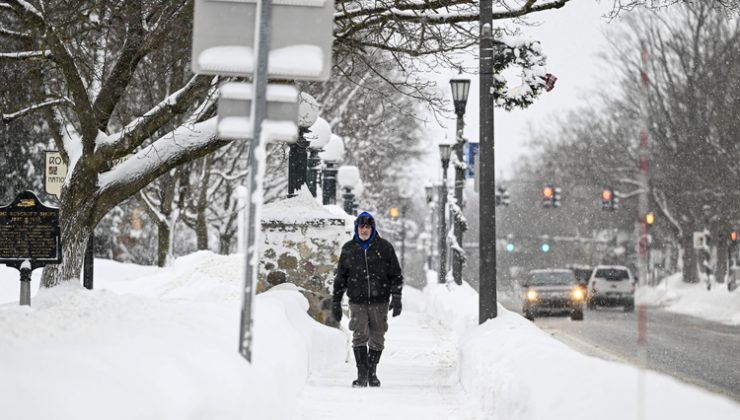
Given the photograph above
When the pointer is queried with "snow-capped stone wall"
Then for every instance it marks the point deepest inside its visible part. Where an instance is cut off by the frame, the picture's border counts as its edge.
(300, 244)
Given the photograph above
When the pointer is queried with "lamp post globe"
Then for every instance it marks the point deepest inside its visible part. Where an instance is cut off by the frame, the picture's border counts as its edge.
(333, 153)
(460, 90)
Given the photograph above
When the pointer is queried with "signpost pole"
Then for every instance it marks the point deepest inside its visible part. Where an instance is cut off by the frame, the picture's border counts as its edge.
(25, 285)
(87, 269)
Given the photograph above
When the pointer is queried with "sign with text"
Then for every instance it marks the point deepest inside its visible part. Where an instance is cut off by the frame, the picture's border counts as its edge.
(55, 170)
(29, 231)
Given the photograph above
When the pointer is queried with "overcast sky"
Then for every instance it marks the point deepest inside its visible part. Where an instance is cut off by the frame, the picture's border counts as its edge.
(571, 38)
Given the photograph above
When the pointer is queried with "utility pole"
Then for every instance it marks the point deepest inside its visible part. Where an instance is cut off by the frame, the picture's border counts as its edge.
(487, 214)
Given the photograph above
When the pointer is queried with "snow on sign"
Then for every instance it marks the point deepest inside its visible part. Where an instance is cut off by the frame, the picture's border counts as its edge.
(55, 171)
(300, 41)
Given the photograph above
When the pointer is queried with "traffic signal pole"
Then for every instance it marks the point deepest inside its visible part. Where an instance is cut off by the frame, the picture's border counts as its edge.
(487, 308)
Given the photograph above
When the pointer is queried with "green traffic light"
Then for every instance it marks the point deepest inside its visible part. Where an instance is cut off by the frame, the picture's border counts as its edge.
(545, 247)
(510, 247)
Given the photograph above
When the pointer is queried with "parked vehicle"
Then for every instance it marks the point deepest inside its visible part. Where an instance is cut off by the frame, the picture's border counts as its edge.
(611, 285)
(552, 291)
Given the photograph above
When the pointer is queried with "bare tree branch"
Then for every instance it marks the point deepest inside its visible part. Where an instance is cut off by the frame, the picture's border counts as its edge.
(50, 102)
(26, 55)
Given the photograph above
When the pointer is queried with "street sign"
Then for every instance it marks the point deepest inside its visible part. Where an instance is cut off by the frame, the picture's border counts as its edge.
(55, 170)
(29, 231)
(300, 41)
(472, 154)
(234, 110)
(699, 240)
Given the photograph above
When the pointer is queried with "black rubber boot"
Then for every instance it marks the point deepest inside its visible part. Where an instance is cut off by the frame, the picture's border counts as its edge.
(373, 357)
(362, 367)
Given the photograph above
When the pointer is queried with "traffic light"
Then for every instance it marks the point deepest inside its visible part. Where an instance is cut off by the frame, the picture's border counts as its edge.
(548, 194)
(502, 196)
(649, 218)
(510, 243)
(609, 200)
(394, 212)
(733, 237)
(556, 197)
(545, 247)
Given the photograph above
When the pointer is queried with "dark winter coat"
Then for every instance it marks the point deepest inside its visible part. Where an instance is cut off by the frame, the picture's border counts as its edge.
(368, 275)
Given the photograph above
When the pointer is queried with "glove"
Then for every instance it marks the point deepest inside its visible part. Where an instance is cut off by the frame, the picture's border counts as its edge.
(395, 305)
(336, 310)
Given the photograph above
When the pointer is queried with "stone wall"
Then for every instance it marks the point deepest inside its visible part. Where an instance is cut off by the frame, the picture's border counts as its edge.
(305, 253)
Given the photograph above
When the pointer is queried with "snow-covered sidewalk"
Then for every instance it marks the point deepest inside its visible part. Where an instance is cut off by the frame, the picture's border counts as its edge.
(418, 374)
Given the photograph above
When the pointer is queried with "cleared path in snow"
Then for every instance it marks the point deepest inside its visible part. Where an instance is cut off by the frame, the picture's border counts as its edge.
(418, 374)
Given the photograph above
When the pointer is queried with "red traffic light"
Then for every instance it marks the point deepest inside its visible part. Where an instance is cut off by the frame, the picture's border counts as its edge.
(733, 236)
(606, 195)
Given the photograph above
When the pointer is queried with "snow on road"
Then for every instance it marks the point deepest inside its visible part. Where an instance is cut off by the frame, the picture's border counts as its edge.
(418, 374)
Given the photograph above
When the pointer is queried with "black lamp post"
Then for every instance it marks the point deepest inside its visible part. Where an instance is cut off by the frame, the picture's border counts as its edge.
(460, 90)
(318, 136)
(333, 153)
(297, 156)
(444, 153)
(429, 189)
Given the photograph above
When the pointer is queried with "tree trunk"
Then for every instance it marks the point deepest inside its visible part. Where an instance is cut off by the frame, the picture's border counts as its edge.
(77, 222)
(690, 274)
(201, 229)
(163, 243)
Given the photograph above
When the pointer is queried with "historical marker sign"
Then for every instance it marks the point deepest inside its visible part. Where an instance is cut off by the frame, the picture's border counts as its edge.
(29, 231)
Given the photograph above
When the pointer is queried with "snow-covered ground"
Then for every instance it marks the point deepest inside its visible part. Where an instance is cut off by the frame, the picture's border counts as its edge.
(672, 294)
(154, 343)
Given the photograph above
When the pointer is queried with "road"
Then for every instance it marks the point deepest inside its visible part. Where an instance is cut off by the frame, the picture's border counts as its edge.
(690, 349)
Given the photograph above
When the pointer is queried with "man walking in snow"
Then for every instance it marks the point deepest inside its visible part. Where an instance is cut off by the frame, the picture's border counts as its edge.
(369, 272)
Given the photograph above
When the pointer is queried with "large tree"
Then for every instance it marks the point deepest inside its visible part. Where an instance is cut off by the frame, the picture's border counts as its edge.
(110, 79)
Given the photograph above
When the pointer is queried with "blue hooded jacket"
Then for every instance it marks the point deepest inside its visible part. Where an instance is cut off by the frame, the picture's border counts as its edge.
(366, 244)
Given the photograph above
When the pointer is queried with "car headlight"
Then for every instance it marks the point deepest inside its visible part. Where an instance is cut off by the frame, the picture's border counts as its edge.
(531, 295)
(578, 293)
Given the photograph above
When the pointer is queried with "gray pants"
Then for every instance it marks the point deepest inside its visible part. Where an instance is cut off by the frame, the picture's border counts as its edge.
(368, 323)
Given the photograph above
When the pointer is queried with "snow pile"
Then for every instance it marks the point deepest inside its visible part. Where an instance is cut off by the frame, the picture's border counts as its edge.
(513, 370)
(153, 343)
(717, 304)
(299, 209)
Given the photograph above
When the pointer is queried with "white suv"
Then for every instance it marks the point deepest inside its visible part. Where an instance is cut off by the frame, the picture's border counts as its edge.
(611, 285)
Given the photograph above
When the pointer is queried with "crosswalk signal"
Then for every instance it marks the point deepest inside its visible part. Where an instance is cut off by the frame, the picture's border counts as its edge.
(733, 237)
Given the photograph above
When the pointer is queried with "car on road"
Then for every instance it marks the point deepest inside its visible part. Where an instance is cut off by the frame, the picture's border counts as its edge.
(552, 291)
(583, 275)
(611, 285)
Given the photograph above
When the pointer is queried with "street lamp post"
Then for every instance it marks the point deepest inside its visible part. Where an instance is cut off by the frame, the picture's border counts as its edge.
(351, 184)
(444, 152)
(318, 136)
(429, 189)
(333, 153)
(460, 89)
(308, 112)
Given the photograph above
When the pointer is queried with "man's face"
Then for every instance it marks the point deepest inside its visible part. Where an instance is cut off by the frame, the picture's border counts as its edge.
(364, 231)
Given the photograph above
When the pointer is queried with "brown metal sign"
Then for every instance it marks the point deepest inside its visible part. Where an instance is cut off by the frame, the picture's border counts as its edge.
(29, 231)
